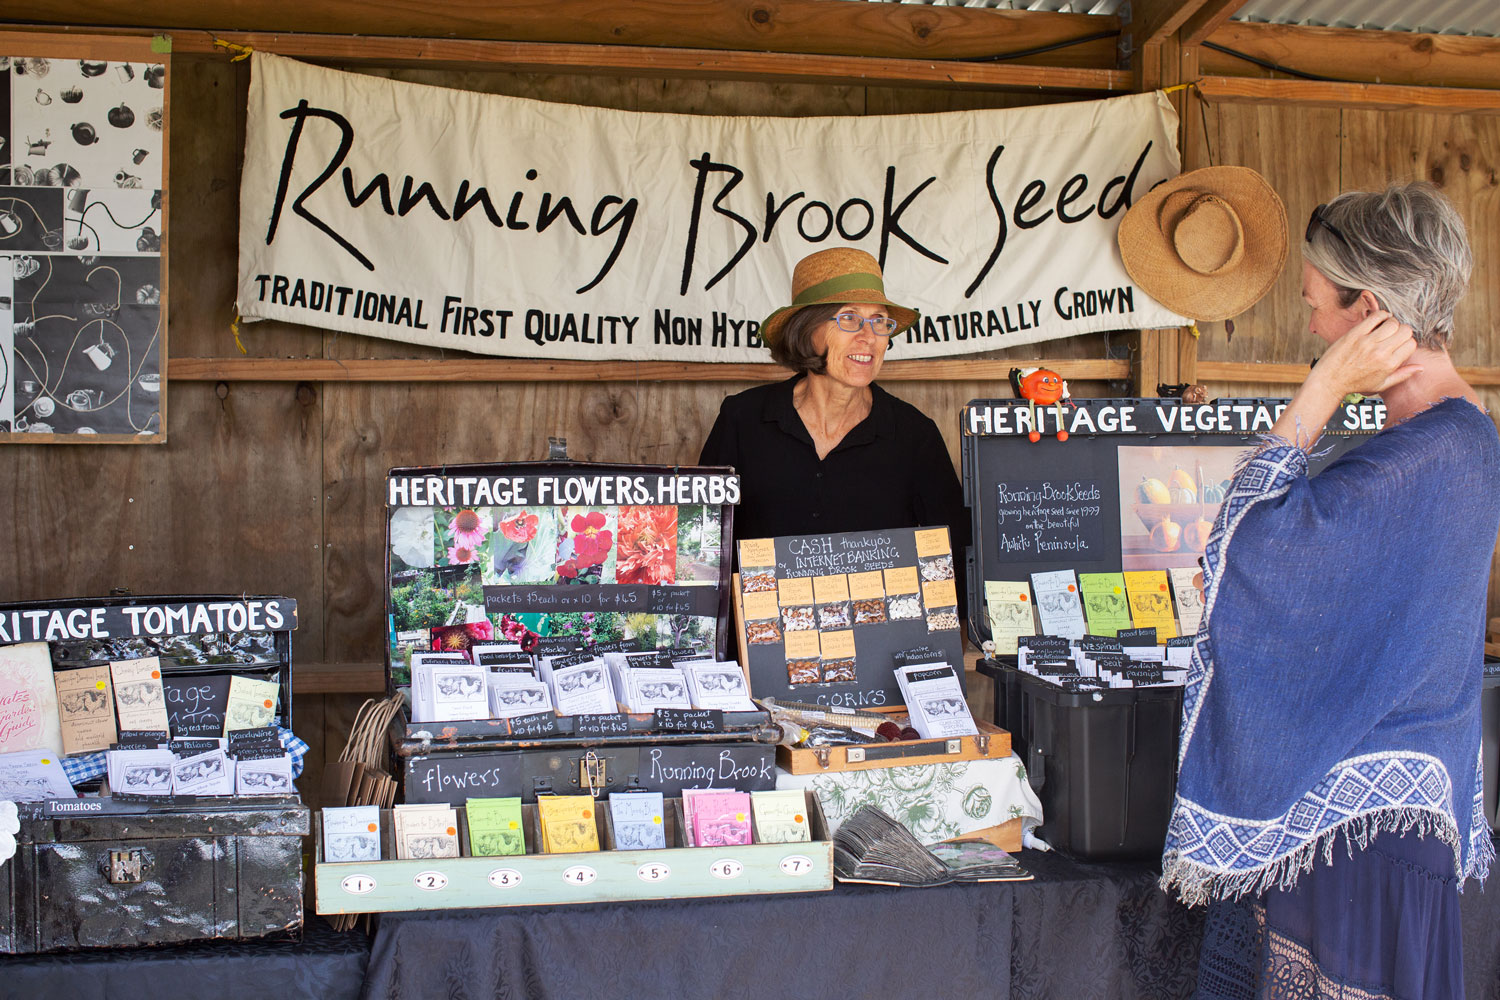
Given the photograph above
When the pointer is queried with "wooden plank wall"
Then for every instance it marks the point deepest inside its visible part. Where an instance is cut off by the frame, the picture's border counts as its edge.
(1311, 154)
(276, 487)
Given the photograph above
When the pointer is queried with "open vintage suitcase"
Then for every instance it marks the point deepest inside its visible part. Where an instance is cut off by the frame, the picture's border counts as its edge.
(110, 873)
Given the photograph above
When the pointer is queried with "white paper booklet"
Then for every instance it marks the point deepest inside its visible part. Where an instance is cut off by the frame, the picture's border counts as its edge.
(583, 689)
(935, 700)
(717, 685)
(351, 833)
(1059, 604)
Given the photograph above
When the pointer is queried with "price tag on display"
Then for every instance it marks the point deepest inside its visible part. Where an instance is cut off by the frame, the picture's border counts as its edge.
(757, 552)
(866, 586)
(794, 592)
(939, 594)
(760, 606)
(838, 645)
(831, 589)
(901, 580)
(801, 645)
(932, 542)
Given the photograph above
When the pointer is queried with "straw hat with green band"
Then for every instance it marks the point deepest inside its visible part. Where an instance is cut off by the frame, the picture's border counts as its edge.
(833, 277)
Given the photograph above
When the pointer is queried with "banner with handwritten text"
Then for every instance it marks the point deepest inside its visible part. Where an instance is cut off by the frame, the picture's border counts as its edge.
(525, 229)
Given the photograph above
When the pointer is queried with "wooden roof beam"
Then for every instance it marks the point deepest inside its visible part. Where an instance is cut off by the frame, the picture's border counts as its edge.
(1351, 96)
(897, 31)
(1388, 57)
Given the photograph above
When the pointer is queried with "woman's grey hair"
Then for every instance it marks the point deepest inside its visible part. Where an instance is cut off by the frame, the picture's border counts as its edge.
(794, 348)
(1406, 245)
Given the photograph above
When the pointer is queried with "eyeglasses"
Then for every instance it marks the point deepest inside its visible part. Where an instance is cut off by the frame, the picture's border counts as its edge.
(881, 326)
(1316, 220)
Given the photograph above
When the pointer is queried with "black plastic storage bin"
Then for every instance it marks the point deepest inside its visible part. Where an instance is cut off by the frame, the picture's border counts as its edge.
(1103, 763)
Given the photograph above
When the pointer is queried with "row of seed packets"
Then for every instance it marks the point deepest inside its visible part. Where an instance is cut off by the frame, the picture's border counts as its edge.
(246, 762)
(567, 824)
(1062, 603)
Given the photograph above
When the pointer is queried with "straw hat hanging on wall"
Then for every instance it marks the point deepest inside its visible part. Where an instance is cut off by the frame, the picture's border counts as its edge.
(1207, 244)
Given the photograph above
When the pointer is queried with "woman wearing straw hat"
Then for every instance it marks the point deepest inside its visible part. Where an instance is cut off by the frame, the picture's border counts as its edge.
(828, 450)
(1330, 795)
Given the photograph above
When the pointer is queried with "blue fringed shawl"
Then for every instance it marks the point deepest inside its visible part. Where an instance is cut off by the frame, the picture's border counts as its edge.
(1335, 683)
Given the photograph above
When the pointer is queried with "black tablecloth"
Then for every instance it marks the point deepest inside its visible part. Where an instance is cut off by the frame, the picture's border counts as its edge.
(323, 964)
(1076, 931)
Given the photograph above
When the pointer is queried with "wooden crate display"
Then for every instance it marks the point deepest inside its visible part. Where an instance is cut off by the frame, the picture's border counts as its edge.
(535, 879)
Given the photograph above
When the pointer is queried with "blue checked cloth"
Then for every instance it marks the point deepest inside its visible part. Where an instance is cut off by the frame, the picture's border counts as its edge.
(90, 766)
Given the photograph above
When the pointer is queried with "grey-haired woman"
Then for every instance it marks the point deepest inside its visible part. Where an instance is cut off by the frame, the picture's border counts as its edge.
(1329, 798)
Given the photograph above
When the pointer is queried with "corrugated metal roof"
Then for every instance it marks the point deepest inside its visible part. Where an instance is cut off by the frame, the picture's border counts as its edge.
(1439, 17)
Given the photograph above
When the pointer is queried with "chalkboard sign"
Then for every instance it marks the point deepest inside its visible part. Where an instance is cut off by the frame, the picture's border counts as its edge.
(540, 724)
(826, 615)
(195, 700)
(1137, 636)
(613, 724)
(689, 720)
(454, 778)
(1135, 487)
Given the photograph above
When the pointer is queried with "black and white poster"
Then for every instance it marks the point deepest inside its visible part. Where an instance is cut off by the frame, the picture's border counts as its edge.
(525, 229)
(82, 310)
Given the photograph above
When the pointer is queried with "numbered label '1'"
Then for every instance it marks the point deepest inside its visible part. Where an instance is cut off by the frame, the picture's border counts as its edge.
(358, 885)
(653, 872)
(505, 878)
(796, 864)
(580, 875)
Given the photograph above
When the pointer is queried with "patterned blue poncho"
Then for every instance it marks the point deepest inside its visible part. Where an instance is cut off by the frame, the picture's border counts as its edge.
(1335, 682)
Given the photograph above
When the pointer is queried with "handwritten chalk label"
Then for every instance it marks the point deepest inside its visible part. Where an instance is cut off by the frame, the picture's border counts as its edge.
(358, 885)
(689, 720)
(679, 600)
(1137, 636)
(932, 542)
(901, 580)
(866, 586)
(505, 878)
(614, 724)
(796, 865)
(1041, 519)
(653, 872)
(540, 724)
(795, 591)
(579, 875)
(726, 868)
(430, 881)
(757, 552)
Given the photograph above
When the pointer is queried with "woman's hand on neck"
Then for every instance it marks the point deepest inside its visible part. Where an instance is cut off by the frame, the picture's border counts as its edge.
(830, 409)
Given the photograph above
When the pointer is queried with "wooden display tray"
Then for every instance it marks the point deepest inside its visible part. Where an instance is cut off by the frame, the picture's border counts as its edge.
(536, 879)
(992, 741)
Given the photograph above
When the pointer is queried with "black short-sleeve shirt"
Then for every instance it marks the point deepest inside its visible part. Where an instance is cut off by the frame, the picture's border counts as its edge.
(890, 471)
